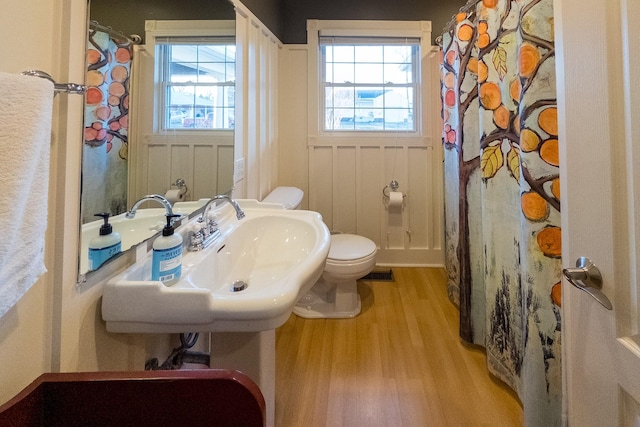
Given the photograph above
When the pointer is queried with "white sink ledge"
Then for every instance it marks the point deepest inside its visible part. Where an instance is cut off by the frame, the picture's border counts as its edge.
(279, 253)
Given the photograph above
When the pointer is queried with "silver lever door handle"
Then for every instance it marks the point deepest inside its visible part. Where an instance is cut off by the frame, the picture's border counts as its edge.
(587, 277)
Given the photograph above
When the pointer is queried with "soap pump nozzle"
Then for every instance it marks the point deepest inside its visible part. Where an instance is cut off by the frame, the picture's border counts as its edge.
(105, 228)
(168, 229)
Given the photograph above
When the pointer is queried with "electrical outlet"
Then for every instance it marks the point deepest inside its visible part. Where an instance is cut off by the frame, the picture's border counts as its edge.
(238, 170)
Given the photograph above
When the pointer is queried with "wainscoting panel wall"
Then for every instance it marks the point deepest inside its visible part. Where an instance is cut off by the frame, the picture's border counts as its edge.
(160, 157)
(207, 164)
(343, 179)
(346, 184)
(206, 168)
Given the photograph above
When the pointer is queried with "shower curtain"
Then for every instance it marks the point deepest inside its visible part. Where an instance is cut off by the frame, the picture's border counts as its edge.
(106, 121)
(502, 193)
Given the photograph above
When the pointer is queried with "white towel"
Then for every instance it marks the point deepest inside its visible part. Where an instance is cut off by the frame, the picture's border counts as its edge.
(26, 105)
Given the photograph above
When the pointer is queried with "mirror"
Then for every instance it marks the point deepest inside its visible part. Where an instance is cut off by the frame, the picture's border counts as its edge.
(112, 163)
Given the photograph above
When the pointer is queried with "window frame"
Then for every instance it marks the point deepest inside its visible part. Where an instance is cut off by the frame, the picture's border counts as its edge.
(335, 41)
(157, 30)
(163, 65)
(317, 29)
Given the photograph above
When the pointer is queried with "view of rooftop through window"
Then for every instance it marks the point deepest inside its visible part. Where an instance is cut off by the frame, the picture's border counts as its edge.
(369, 85)
(199, 83)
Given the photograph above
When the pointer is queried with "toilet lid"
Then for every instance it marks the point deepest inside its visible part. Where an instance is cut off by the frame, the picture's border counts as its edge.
(346, 247)
(288, 197)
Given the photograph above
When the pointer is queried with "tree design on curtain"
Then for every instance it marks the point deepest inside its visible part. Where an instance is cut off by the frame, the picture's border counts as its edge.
(106, 119)
(107, 97)
(502, 187)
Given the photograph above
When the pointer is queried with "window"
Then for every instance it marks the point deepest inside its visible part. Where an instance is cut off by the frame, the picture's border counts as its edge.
(369, 84)
(197, 75)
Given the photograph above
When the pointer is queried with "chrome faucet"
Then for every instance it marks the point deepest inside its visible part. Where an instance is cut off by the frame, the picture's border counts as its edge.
(151, 197)
(206, 230)
(236, 206)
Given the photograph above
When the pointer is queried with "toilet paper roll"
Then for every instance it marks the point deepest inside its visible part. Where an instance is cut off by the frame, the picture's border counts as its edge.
(174, 196)
(395, 199)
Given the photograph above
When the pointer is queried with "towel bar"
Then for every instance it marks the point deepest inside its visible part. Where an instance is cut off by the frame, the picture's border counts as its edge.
(57, 87)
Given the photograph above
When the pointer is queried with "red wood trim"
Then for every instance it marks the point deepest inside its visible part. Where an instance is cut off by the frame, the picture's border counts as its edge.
(190, 397)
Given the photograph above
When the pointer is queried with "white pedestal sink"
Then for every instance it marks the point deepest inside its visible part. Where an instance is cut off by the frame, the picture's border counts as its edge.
(278, 254)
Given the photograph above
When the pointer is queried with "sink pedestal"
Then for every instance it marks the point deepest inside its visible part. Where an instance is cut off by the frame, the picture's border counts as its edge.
(253, 353)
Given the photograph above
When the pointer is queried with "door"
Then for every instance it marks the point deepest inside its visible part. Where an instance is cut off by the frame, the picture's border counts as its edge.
(598, 63)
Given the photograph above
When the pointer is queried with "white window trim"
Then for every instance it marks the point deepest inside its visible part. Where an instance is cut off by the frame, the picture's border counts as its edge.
(181, 28)
(414, 29)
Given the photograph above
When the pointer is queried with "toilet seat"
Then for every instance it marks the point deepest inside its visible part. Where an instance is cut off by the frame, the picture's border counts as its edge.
(351, 262)
(350, 257)
(350, 248)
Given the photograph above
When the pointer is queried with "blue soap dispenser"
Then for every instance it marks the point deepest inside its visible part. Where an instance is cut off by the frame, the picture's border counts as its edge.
(104, 246)
(166, 263)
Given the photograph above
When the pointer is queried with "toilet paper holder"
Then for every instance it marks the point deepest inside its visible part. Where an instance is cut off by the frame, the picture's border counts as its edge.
(181, 184)
(177, 195)
(391, 186)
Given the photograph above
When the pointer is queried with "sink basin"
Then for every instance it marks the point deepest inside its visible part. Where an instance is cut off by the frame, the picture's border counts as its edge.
(248, 280)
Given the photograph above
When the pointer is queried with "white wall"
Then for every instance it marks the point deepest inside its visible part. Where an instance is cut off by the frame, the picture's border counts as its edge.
(257, 91)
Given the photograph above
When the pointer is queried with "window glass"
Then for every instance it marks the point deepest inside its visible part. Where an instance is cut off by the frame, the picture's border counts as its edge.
(369, 84)
(198, 77)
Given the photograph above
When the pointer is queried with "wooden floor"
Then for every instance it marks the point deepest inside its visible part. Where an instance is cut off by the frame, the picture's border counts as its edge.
(399, 363)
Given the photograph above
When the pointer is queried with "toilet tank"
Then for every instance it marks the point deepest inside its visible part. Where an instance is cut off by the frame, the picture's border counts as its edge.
(287, 197)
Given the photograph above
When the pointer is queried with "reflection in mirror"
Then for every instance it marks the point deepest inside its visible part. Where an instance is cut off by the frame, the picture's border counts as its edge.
(106, 122)
(130, 153)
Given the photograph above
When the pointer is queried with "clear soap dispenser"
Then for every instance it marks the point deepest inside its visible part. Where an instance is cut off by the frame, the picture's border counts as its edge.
(166, 263)
(105, 245)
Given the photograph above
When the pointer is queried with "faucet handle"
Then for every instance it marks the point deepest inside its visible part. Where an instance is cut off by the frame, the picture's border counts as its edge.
(201, 234)
(212, 220)
(196, 236)
(195, 242)
(194, 228)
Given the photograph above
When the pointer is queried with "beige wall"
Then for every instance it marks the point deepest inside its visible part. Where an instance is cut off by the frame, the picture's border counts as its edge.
(57, 326)
(27, 332)
(294, 155)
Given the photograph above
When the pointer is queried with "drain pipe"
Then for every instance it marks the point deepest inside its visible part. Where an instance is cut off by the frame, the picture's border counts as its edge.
(180, 355)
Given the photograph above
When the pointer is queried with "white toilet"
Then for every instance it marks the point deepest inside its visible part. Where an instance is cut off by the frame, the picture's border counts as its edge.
(350, 258)
(287, 197)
